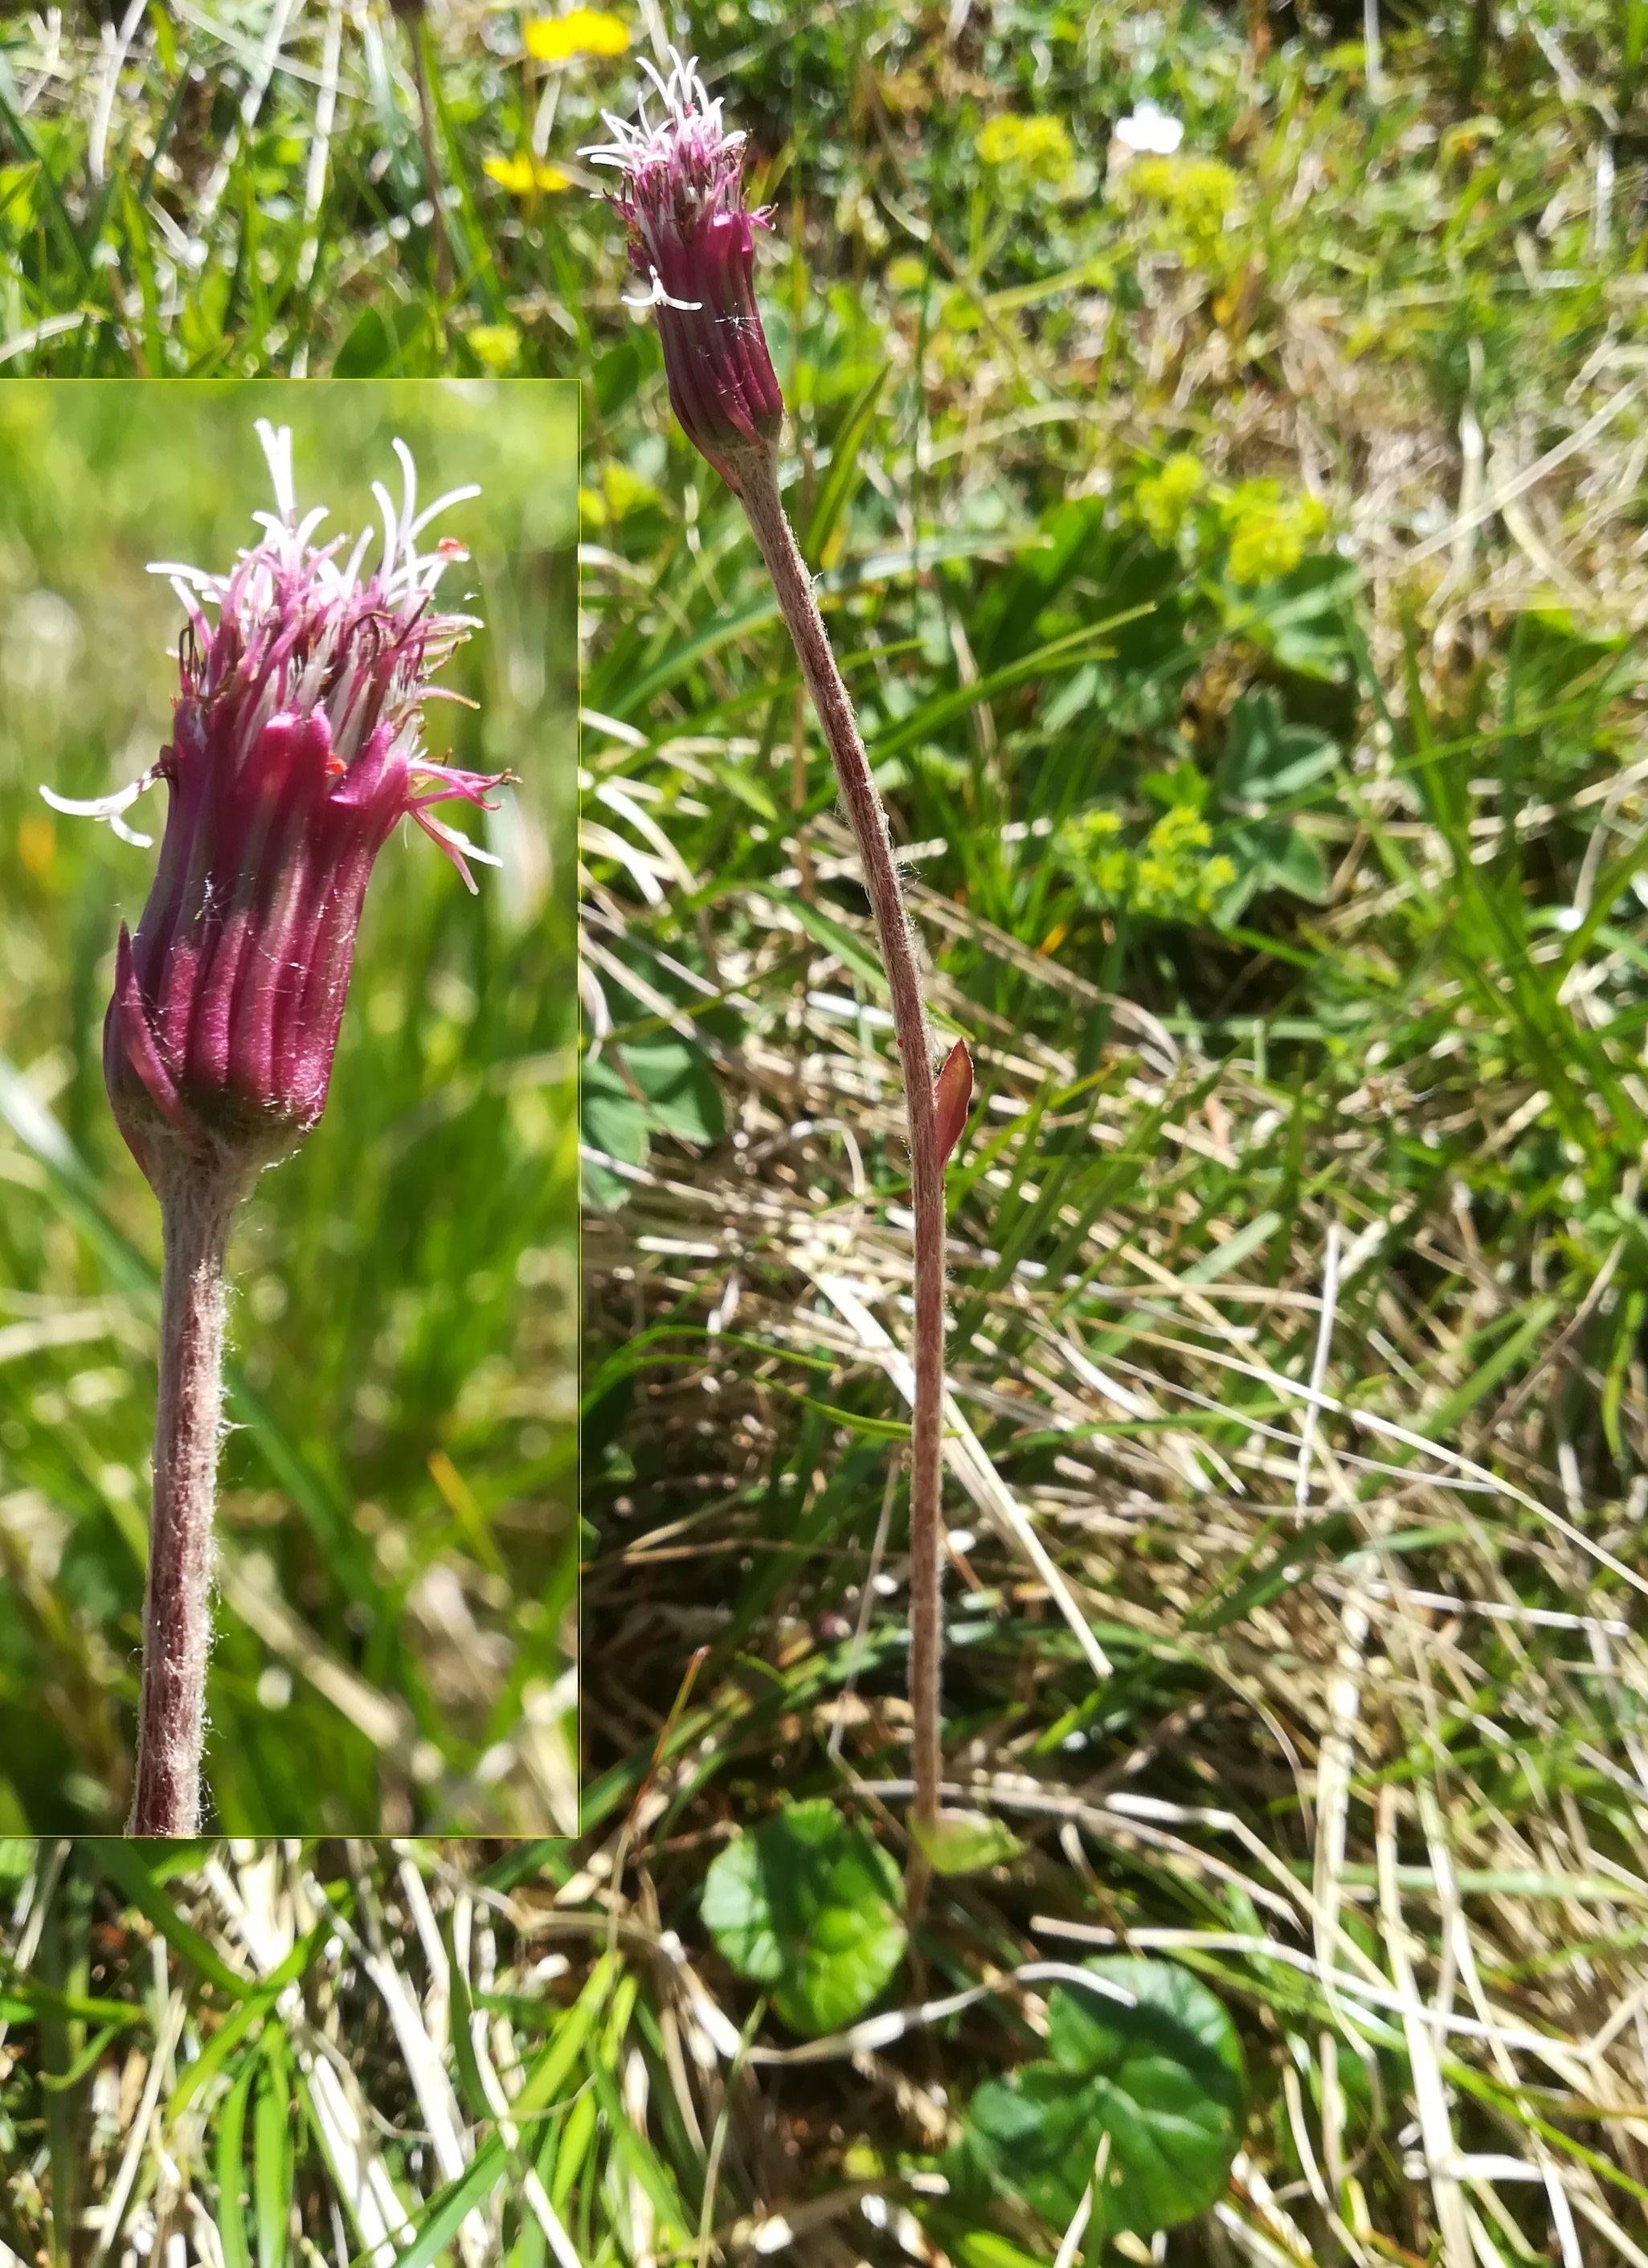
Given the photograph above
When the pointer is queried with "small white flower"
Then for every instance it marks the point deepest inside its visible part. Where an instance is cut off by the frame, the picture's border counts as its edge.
(1151, 130)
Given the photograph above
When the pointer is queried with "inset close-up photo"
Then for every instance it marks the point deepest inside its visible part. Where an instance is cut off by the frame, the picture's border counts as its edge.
(288, 1254)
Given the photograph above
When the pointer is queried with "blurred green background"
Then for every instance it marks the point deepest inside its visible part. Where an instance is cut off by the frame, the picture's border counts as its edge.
(396, 1625)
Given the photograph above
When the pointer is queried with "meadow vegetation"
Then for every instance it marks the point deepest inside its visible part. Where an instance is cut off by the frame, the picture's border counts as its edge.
(1237, 555)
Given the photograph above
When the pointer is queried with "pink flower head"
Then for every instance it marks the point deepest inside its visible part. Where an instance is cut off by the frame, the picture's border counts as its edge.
(297, 745)
(692, 239)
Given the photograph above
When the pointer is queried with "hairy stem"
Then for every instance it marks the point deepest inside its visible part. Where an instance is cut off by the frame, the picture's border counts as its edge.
(756, 483)
(198, 1208)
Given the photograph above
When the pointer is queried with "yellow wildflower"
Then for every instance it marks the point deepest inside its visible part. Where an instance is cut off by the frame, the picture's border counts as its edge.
(580, 31)
(1164, 498)
(1036, 149)
(1198, 196)
(496, 347)
(521, 176)
(1172, 877)
(36, 843)
(1269, 531)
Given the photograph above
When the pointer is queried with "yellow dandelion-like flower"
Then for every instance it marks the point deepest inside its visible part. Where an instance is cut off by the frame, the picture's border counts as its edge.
(521, 176)
(580, 31)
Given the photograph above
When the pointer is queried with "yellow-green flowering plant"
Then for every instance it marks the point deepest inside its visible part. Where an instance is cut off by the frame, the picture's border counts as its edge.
(1218, 838)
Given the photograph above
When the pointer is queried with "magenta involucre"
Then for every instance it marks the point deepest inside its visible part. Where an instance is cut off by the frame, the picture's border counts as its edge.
(297, 745)
(693, 241)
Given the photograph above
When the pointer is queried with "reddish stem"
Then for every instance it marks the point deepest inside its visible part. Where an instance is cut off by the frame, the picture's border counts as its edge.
(197, 1207)
(756, 484)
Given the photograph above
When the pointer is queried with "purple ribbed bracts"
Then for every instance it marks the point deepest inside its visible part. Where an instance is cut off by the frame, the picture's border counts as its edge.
(692, 239)
(297, 745)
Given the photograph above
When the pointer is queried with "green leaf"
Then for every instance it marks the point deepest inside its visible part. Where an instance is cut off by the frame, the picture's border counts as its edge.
(670, 1090)
(1184, 787)
(1163, 2078)
(368, 350)
(1297, 864)
(1277, 857)
(380, 346)
(272, 2166)
(848, 948)
(451, 2206)
(966, 1841)
(244, 2019)
(232, 2228)
(810, 1906)
(610, 1120)
(1299, 617)
(131, 1870)
(840, 482)
(680, 1088)
(1269, 760)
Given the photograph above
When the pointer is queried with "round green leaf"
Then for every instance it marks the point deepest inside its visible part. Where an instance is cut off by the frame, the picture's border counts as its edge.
(1163, 2078)
(809, 1906)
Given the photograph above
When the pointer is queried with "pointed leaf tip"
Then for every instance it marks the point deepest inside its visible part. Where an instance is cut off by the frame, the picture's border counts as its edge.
(953, 1092)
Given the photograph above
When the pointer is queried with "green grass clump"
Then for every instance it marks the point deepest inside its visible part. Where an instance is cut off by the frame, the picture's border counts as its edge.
(1283, 495)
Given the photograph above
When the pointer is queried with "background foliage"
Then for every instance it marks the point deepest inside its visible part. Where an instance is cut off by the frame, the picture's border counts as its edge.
(1237, 554)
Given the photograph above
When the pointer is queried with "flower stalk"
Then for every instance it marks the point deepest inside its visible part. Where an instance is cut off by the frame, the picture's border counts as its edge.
(757, 489)
(295, 748)
(197, 1211)
(691, 238)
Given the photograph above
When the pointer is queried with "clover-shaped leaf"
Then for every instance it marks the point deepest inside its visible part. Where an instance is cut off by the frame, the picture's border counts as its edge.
(1267, 759)
(649, 1086)
(1162, 2078)
(808, 1906)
